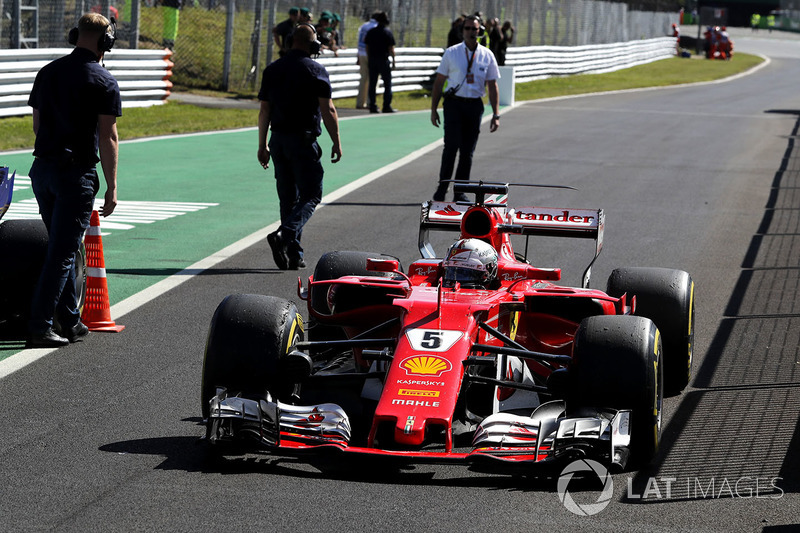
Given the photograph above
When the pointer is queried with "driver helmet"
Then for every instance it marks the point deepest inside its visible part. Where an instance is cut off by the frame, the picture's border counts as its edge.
(470, 262)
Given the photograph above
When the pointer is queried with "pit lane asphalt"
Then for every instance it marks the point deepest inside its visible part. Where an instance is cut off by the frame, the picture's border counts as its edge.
(102, 435)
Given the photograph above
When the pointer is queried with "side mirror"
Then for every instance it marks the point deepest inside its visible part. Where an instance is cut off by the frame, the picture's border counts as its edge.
(383, 265)
(547, 274)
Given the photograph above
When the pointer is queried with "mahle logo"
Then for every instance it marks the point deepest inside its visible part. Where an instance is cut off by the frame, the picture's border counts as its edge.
(592, 468)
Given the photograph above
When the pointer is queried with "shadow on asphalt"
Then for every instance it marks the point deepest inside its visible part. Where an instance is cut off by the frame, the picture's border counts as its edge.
(193, 454)
(736, 433)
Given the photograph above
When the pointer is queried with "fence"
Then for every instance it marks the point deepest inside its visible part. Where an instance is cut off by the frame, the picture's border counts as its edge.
(143, 76)
(225, 44)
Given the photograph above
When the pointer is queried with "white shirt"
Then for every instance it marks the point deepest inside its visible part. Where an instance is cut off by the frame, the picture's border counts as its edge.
(362, 33)
(455, 62)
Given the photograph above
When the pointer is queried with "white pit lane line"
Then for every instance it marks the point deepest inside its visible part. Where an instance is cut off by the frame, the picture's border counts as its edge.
(25, 357)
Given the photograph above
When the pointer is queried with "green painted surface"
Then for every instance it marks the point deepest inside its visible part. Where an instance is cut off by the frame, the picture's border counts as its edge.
(220, 168)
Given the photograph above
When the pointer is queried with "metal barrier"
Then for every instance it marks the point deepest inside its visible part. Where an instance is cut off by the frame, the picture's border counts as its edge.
(415, 66)
(143, 76)
(538, 62)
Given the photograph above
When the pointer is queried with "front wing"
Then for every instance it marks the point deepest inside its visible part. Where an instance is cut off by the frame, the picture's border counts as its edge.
(546, 439)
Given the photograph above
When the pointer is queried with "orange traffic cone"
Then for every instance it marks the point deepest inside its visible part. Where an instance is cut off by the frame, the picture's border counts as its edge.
(97, 310)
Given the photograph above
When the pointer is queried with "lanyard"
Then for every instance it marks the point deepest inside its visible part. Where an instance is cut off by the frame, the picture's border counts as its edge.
(469, 58)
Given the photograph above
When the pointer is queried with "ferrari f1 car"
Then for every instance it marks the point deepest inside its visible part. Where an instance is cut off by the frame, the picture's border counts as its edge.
(478, 357)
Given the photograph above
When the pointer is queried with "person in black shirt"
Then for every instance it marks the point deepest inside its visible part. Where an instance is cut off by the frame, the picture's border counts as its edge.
(75, 104)
(380, 46)
(282, 30)
(295, 95)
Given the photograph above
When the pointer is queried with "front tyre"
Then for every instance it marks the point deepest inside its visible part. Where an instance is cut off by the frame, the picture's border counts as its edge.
(616, 364)
(248, 341)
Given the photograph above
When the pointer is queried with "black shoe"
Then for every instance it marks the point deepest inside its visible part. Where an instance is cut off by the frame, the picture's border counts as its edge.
(296, 263)
(373, 110)
(440, 193)
(460, 197)
(278, 250)
(76, 332)
(48, 339)
(389, 110)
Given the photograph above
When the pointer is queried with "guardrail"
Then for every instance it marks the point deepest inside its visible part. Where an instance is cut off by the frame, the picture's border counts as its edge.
(538, 62)
(415, 66)
(143, 76)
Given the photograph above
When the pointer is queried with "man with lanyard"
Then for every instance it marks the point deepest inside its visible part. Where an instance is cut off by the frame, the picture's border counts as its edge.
(75, 102)
(295, 95)
(468, 68)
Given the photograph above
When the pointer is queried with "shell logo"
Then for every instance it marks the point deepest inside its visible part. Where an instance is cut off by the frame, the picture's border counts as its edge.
(426, 365)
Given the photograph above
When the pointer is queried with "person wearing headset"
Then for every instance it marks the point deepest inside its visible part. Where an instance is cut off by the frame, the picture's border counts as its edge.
(295, 96)
(75, 102)
(469, 68)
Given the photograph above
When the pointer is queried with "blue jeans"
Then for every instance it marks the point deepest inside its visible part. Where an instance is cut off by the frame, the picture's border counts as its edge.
(66, 196)
(298, 178)
(462, 125)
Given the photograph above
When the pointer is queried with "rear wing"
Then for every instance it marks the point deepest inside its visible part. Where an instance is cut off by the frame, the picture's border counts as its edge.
(557, 222)
(6, 190)
(540, 221)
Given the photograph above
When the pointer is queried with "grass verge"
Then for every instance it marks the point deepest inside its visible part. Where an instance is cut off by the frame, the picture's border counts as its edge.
(175, 117)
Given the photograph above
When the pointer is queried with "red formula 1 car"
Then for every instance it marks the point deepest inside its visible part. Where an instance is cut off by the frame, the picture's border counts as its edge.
(478, 358)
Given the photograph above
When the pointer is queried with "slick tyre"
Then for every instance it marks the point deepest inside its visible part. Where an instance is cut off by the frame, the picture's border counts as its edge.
(23, 248)
(334, 265)
(666, 297)
(249, 339)
(617, 364)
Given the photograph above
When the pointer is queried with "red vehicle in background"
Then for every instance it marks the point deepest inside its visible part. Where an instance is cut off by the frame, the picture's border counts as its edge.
(477, 357)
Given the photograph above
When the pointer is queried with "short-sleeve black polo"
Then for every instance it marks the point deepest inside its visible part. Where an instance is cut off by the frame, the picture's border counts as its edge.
(70, 93)
(379, 41)
(293, 86)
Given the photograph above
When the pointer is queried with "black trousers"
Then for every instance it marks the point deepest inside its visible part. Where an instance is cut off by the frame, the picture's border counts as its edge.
(462, 125)
(384, 70)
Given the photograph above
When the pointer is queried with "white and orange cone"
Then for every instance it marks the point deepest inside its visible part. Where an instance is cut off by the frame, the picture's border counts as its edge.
(97, 309)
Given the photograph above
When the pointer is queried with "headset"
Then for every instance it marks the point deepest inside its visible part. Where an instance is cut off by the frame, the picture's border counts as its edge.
(316, 46)
(106, 41)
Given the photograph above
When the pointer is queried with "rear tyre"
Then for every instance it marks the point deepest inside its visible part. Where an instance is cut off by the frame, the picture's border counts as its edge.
(334, 265)
(666, 297)
(249, 339)
(23, 248)
(616, 364)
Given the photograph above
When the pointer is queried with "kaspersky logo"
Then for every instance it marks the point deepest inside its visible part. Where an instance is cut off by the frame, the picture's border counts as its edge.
(426, 365)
